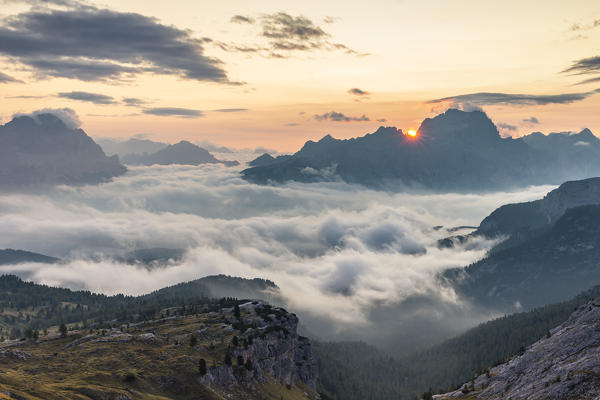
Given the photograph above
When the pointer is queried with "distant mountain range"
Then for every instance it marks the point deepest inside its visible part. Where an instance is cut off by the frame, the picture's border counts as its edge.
(456, 150)
(184, 152)
(130, 146)
(10, 256)
(42, 150)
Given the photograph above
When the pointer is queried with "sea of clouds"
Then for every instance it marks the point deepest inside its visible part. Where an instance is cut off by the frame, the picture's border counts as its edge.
(352, 262)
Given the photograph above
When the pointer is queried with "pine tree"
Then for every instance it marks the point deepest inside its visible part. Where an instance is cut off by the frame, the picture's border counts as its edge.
(202, 367)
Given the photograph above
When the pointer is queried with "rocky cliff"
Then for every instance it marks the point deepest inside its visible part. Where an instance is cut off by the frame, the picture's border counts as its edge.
(275, 351)
(563, 365)
(192, 352)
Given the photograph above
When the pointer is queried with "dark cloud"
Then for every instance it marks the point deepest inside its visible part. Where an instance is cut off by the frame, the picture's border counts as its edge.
(8, 79)
(25, 97)
(242, 19)
(230, 110)
(286, 34)
(134, 101)
(507, 127)
(292, 124)
(579, 27)
(89, 97)
(532, 120)
(358, 92)
(586, 66)
(339, 117)
(484, 99)
(90, 44)
(382, 120)
(174, 111)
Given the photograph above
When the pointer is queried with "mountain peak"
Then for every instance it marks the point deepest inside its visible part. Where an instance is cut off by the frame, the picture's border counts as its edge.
(470, 126)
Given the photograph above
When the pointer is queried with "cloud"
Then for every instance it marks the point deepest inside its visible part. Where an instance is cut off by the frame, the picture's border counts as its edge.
(89, 97)
(8, 79)
(586, 66)
(284, 35)
(339, 117)
(579, 27)
(93, 44)
(67, 115)
(230, 110)
(507, 127)
(486, 99)
(349, 261)
(134, 102)
(292, 124)
(381, 120)
(242, 19)
(174, 111)
(358, 92)
(531, 120)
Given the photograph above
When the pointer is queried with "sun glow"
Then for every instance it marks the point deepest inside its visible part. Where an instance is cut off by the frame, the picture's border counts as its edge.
(412, 133)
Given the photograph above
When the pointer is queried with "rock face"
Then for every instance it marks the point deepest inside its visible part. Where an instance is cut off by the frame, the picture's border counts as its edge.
(276, 351)
(551, 266)
(184, 152)
(564, 365)
(43, 150)
(454, 151)
(530, 216)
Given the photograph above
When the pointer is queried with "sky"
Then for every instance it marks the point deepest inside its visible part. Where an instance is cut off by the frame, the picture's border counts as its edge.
(277, 73)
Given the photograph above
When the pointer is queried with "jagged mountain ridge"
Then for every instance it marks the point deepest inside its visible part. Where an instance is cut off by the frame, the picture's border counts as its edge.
(455, 150)
(43, 150)
(563, 365)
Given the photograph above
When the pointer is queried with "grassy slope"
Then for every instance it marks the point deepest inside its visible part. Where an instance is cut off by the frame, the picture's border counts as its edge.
(164, 369)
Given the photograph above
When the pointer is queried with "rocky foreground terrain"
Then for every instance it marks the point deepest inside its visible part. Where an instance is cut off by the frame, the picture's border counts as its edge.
(563, 365)
(253, 352)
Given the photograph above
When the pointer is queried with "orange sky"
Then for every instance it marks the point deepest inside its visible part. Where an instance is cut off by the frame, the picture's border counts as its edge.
(404, 54)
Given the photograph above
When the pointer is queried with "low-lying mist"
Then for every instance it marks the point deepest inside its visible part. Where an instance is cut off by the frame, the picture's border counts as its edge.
(353, 263)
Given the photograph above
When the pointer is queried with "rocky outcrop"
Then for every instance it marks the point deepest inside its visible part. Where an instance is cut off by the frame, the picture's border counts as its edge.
(272, 349)
(563, 365)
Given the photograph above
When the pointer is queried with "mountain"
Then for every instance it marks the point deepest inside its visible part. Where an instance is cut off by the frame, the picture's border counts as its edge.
(11, 257)
(130, 146)
(454, 151)
(563, 365)
(520, 218)
(43, 150)
(575, 155)
(20, 301)
(184, 152)
(267, 159)
(546, 267)
(208, 350)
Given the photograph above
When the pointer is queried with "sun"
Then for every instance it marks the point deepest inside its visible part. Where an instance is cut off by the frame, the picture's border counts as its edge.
(412, 133)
